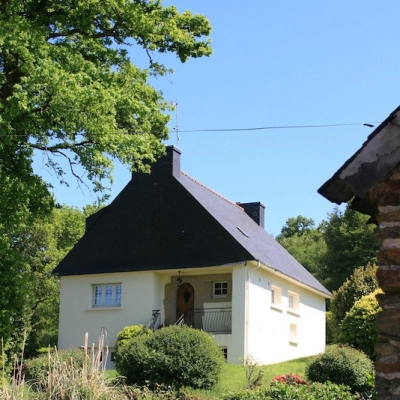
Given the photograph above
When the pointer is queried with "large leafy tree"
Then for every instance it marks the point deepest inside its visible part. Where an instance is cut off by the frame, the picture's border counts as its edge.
(42, 245)
(350, 242)
(334, 249)
(304, 241)
(69, 90)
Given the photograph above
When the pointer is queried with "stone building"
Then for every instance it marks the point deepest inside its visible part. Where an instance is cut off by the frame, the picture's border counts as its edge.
(370, 181)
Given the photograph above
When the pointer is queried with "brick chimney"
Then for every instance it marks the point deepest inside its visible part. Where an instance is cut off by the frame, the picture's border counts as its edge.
(255, 211)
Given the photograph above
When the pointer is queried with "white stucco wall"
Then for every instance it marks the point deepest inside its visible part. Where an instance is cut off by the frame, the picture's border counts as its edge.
(258, 330)
(269, 327)
(141, 293)
(236, 350)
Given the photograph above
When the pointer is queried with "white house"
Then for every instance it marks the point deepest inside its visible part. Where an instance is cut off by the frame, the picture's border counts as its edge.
(169, 249)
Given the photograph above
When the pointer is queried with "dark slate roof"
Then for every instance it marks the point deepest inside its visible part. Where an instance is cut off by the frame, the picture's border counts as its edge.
(167, 220)
(378, 156)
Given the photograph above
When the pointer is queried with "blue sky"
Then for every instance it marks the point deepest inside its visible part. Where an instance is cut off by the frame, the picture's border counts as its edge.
(275, 64)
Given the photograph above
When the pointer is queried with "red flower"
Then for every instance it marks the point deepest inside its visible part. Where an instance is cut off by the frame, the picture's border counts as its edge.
(290, 379)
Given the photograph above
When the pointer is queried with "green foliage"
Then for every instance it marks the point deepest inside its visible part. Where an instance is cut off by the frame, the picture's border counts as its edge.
(350, 242)
(69, 89)
(128, 333)
(344, 366)
(37, 369)
(290, 379)
(360, 283)
(358, 327)
(178, 356)
(254, 374)
(283, 391)
(305, 244)
(69, 92)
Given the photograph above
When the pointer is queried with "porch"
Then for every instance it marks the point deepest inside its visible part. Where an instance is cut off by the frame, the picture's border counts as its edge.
(212, 320)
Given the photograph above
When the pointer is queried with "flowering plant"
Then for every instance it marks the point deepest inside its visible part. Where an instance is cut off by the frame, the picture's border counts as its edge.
(290, 379)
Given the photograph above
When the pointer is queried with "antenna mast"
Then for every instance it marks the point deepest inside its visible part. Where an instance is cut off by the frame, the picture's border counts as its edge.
(176, 127)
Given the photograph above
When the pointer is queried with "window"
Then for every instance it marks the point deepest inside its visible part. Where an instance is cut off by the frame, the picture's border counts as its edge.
(224, 352)
(220, 289)
(276, 295)
(293, 302)
(293, 334)
(108, 295)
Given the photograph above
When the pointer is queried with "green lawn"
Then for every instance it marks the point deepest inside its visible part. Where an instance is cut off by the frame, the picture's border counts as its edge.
(233, 377)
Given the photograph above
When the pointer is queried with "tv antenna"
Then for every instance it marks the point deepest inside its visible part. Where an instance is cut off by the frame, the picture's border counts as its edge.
(176, 127)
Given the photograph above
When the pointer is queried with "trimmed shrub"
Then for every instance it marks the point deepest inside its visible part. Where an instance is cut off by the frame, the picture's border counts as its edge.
(344, 366)
(130, 332)
(176, 355)
(280, 391)
(361, 283)
(358, 327)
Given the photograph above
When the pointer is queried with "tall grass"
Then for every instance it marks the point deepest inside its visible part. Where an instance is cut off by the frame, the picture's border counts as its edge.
(64, 380)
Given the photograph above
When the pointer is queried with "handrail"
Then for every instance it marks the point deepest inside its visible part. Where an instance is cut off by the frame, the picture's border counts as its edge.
(180, 320)
(213, 320)
(155, 314)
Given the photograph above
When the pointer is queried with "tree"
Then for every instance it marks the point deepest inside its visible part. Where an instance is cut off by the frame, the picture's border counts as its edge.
(304, 242)
(350, 242)
(69, 89)
(42, 245)
(296, 227)
(361, 283)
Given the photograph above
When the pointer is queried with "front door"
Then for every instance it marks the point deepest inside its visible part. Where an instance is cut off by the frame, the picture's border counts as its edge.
(185, 303)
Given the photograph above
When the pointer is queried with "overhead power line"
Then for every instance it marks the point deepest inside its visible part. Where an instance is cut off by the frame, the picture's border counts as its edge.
(260, 128)
(368, 124)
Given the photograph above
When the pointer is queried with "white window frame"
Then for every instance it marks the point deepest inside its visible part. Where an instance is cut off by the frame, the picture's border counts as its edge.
(276, 297)
(293, 334)
(107, 295)
(220, 289)
(293, 302)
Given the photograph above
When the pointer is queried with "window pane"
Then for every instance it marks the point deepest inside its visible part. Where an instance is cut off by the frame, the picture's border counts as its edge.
(291, 301)
(109, 292)
(118, 294)
(98, 295)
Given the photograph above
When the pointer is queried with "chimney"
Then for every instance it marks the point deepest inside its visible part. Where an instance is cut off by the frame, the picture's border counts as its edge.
(255, 211)
(169, 164)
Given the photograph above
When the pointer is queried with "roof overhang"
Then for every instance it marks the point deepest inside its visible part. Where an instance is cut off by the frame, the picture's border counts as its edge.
(259, 264)
(376, 158)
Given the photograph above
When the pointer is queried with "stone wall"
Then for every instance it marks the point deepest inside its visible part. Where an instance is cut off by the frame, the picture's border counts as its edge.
(386, 197)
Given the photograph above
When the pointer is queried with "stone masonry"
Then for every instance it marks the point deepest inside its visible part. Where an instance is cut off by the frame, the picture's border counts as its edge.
(386, 197)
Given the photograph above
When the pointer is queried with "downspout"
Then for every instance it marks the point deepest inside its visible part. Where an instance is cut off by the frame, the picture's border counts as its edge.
(247, 308)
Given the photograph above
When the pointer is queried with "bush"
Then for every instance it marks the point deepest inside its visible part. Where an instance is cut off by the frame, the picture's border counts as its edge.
(279, 391)
(358, 327)
(176, 355)
(130, 332)
(290, 379)
(361, 283)
(37, 368)
(344, 366)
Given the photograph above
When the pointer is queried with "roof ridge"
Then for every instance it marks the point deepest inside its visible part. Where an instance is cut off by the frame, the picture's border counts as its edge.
(212, 191)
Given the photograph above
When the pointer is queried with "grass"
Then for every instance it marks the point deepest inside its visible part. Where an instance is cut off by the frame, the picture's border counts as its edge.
(233, 377)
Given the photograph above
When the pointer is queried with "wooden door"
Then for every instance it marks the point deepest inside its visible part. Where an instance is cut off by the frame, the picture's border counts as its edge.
(185, 303)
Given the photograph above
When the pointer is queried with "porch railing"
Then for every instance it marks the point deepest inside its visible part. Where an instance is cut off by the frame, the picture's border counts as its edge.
(212, 320)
